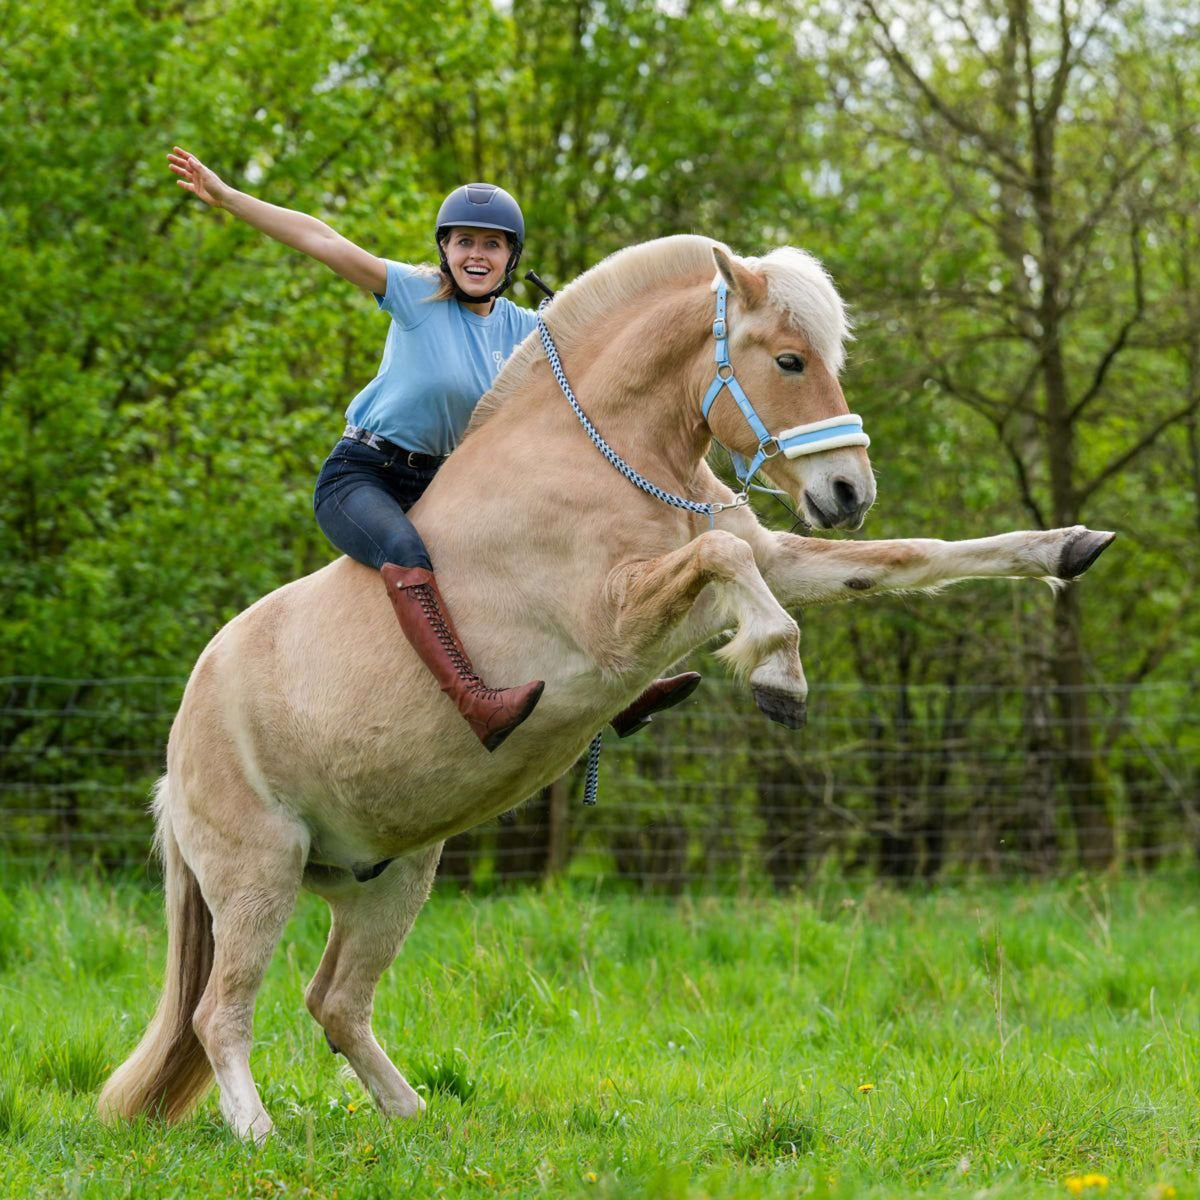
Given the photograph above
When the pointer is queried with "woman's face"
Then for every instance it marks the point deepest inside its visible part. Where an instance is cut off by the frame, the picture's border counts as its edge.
(477, 258)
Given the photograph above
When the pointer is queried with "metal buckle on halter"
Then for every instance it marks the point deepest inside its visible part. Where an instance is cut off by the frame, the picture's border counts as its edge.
(772, 440)
(719, 329)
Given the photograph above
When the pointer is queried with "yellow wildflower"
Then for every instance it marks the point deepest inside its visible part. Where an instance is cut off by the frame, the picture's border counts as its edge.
(590, 1176)
(1078, 1184)
(864, 1088)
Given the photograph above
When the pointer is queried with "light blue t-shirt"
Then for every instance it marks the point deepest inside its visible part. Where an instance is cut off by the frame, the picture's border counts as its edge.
(438, 361)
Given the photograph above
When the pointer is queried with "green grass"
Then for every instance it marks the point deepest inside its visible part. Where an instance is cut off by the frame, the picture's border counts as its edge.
(597, 1045)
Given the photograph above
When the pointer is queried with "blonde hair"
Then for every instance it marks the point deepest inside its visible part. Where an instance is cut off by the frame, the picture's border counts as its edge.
(445, 285)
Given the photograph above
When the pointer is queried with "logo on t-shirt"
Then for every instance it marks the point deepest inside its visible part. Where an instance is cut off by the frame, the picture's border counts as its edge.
(498, 358)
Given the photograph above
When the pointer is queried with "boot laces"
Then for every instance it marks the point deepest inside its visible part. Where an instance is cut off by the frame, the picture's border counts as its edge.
(437, 622)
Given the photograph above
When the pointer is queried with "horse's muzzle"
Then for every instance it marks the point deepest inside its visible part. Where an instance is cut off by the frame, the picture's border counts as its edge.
(842, 505)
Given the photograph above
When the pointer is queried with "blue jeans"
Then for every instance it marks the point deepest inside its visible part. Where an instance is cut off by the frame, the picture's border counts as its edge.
(360, 500)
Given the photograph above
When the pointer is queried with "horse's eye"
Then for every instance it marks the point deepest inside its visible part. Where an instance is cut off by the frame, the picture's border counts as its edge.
(793, 364)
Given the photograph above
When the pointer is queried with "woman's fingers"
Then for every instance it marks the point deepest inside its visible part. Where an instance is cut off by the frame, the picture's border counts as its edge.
(188, 167)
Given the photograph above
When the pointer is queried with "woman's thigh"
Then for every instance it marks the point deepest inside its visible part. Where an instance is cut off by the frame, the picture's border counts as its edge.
(360, 502)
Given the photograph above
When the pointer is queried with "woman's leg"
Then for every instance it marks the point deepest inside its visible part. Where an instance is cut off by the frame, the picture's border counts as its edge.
(360, 502)
(360, 499)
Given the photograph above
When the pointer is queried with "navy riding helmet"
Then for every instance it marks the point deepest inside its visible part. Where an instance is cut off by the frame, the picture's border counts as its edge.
(482, 206)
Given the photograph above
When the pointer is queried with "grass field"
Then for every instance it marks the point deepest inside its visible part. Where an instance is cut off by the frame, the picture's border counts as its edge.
(1029, 1041)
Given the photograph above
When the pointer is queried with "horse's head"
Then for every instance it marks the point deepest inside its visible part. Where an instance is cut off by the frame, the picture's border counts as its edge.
(785, 326)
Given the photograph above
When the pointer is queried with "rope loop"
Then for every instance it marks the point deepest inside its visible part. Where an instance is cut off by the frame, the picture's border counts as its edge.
(708, 510)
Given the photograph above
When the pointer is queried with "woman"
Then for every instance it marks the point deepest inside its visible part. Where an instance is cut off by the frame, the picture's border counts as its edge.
(450, 332)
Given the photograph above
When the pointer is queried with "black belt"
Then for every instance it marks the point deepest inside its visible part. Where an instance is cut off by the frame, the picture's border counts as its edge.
(414, 458)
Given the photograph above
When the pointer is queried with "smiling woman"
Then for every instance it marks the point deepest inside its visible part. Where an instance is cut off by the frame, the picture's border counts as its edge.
(451, 330)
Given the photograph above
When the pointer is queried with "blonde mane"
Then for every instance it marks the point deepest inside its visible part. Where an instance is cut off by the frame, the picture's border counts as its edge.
(796, 283)
(613, 282)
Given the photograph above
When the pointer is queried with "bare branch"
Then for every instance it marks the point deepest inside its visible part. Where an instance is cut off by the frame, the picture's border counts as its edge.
(1048, 112)
(1024, 484)
(1088, 225)
(994, 169)
(1119, 342)
(955, 119)
(1118, 464)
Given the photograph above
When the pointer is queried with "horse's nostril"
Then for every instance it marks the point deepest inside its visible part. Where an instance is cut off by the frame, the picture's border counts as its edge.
(846, 495)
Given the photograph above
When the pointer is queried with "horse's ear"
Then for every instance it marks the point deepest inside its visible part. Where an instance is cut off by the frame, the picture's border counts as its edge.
(749, 288)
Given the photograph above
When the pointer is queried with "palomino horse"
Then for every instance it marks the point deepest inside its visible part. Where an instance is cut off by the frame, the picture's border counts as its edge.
(313, 750)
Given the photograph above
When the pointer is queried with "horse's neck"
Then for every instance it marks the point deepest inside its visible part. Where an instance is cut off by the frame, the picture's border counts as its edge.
(639, 375)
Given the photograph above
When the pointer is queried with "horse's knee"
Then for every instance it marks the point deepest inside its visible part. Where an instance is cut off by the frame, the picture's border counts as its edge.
(346, 1018)
(722, 555)
(314, 999)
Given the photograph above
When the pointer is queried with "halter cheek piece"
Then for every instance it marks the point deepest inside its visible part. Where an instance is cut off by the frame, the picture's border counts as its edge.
(831, 433)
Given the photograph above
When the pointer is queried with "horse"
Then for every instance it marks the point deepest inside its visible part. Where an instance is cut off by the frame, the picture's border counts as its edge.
(311, 749)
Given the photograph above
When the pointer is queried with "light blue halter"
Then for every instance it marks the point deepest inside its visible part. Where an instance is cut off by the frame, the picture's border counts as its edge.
(832, 433)
(829, 434)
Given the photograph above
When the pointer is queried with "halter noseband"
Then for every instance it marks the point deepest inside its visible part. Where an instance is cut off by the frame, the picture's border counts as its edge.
(832, 433)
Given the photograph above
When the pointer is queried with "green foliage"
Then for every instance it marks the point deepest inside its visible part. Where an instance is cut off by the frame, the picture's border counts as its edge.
(449, 1074)
(774, 1132)
(170, 380)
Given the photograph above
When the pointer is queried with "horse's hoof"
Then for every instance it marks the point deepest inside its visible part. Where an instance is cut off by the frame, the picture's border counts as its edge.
(258, 1131)
(1082, 549)
(789, 711)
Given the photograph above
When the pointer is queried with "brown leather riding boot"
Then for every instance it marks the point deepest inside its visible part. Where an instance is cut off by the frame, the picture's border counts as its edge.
(662, 693)
(493, 714)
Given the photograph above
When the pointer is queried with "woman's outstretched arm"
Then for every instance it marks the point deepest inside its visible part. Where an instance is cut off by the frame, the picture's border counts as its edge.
(296, 229)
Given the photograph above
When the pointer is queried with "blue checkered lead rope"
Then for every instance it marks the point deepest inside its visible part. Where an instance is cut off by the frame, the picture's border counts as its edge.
(592, 779)
(708, 510)
(591, 784)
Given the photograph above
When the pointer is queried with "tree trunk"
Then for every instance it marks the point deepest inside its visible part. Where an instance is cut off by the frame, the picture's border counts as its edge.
(1087, 797)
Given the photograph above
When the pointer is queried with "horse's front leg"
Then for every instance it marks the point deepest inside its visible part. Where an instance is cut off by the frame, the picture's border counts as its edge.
(813, 571)
(652, 598)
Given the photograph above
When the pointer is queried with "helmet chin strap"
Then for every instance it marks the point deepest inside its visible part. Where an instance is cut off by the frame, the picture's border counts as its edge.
(466, 297)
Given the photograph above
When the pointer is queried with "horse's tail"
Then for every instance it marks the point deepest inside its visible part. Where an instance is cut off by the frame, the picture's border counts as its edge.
(169, 1071)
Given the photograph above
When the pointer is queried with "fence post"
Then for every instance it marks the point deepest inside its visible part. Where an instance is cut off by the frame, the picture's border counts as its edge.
(558, 841)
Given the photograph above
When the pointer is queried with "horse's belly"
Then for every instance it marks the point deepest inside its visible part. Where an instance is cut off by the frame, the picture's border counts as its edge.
(426, 795)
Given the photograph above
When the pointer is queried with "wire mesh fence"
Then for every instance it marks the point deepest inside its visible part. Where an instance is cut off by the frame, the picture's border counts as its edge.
(903, 783)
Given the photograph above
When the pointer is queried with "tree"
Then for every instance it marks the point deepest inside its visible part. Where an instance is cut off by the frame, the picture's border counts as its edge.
(1057, 137)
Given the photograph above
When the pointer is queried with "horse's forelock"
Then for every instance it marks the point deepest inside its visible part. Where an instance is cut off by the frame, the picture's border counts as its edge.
(800, 285)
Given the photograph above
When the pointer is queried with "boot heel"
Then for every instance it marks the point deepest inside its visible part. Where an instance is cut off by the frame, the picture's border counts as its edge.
(492, 741)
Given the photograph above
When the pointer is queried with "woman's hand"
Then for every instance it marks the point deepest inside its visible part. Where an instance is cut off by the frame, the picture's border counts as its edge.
(196, 178)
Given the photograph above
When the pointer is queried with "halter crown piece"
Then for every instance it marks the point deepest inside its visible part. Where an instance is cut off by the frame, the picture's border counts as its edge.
(832, 433)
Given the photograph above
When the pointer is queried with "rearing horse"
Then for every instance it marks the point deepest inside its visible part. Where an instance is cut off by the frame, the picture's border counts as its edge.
(312, 749)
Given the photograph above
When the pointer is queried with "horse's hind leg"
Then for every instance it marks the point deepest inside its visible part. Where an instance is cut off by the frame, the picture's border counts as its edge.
(250, 875)
(370, 921)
